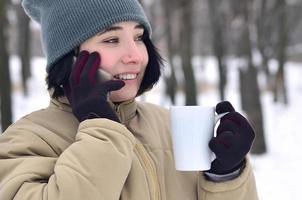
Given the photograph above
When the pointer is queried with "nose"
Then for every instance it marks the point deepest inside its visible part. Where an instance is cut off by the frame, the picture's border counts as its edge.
(133, 54)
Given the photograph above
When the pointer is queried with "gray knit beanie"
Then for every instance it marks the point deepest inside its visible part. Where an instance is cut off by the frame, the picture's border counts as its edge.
(65, 24)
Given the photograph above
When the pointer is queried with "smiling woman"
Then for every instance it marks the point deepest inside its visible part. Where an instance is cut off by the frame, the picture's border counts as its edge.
(94, 140)
(123, 54)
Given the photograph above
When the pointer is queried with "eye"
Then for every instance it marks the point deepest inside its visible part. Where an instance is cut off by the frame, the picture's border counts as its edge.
(111, 40)
(139, 38)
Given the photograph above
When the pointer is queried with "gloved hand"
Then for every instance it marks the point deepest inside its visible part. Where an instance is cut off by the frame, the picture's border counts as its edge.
(86, 93)
(234, 140)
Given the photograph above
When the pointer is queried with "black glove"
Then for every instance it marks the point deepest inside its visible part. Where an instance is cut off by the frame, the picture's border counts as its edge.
(86, 93)
(234, 140)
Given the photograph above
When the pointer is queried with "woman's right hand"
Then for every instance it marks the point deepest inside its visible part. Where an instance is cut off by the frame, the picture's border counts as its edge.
(85, 91)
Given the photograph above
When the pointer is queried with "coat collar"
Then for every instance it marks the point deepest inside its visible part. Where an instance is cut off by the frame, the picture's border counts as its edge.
(125, 110)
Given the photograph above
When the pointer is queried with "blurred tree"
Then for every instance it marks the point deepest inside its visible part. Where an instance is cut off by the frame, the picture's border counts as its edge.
(5, 83)
(23, 45)
(282, 43)
(161, 13)
(249, 88)
(186, 50)
(217, 22)
(264, 20)
(275, 24)
(170, 22)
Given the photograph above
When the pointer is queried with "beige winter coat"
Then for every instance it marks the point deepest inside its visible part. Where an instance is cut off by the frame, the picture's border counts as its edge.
(48, 155)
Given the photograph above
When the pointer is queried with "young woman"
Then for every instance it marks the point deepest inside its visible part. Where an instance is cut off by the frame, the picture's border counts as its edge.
(95, 141)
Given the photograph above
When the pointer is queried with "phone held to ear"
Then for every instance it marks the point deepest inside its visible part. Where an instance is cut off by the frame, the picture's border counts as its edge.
(104, 76)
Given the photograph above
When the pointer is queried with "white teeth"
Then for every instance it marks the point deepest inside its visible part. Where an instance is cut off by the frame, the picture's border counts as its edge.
(127, 76)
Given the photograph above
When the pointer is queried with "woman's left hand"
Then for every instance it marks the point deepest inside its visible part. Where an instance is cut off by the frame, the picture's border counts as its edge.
(234, 140)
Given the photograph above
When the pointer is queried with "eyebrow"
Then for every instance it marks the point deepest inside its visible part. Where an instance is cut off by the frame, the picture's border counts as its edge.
(118, 28)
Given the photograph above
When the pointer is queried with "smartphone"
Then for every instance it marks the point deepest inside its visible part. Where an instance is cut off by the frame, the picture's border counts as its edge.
(104, 76)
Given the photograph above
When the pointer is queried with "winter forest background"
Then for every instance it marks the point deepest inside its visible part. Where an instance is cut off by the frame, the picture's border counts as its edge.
(246, 51)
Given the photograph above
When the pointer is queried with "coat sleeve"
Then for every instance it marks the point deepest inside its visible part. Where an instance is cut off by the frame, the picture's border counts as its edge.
(241, 188)
(95, 166)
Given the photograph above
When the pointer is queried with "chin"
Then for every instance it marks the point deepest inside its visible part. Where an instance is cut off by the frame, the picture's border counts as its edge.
(114, 97)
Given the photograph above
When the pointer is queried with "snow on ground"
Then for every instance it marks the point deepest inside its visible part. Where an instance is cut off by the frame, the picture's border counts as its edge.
(277, 172)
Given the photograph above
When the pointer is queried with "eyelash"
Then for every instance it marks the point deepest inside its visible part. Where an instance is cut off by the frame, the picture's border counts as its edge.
(111, 41)
(116, 40)
(140, 37)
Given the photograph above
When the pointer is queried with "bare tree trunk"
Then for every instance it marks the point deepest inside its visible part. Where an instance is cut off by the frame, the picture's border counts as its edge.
(24, 45)
(280, 87)
(264, 31)
(251, 100)
(218, 42)
(5, 84)
(249, 88)
(186, 51)
(171, 82)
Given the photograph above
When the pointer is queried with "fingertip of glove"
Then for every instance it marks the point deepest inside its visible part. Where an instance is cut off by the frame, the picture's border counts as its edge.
(121, 84)
(95, 55)
(115, 84)
(224, 106)
(94, 58)
(83, 53)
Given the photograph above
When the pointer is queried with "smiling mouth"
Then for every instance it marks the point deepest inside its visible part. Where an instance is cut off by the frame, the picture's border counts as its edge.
(128, 76)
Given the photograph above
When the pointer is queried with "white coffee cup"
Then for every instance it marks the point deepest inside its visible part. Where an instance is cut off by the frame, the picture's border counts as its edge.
(192, 129)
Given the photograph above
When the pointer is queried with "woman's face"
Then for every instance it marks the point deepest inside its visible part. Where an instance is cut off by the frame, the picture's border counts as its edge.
(123, 55)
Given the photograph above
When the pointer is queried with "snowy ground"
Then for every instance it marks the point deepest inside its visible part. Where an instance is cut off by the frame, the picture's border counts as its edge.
(277, 172)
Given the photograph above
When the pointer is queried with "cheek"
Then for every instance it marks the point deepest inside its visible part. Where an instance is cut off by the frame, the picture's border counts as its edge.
(108, 60)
